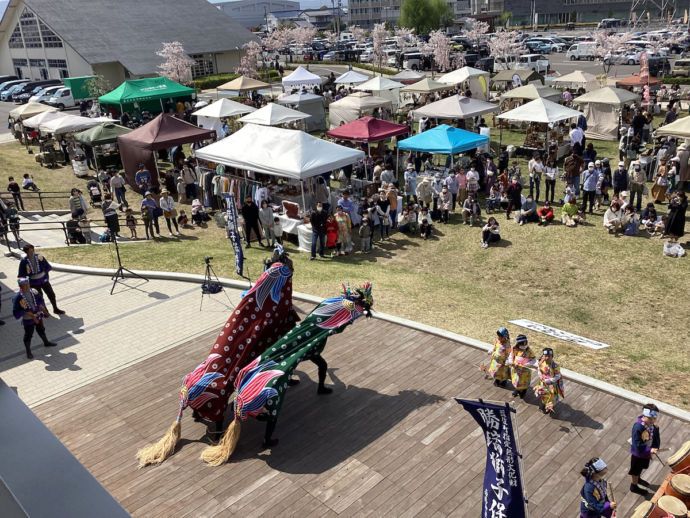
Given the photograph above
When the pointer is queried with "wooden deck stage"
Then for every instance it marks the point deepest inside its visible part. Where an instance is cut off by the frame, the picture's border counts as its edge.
(390, 440)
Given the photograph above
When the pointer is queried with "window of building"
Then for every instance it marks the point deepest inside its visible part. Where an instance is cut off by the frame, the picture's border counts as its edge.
(20, 62)
(203, 65)
(50, 39)
(16, 41)
(57, 63)
(29, 31)
(32, 38)
(38, 63)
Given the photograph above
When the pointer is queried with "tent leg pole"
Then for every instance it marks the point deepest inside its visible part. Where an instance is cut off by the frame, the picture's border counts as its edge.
(500, 135)
(369, 151)
(304, 204)
(397, 162)
(158, 171)
(162, 107)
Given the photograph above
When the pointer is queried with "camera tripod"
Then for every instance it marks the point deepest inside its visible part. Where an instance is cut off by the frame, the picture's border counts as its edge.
(120, 273)
(211, 283)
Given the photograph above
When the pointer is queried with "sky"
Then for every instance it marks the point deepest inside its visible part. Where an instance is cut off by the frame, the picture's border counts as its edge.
(3, 6)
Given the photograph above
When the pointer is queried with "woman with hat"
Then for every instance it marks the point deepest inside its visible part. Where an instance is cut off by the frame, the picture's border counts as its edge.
(497, 368)
(167, 204)
(520, 360)
(595, 501)
(153, 209)
(658, 190)
(550, 386)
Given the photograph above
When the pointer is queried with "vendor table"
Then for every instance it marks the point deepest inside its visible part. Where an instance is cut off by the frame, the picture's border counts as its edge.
(289, 225)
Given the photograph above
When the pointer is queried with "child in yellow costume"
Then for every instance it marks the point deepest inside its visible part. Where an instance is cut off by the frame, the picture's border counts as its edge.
(497, 368)
(550, 386)
(520, 360)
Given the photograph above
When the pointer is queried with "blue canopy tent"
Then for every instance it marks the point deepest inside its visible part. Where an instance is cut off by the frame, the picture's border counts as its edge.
(445, 140)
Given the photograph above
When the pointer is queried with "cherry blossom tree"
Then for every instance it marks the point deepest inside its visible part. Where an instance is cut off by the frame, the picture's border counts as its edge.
(607, 45)
(379, 35)
(439, 46)
(304, 35)
(177, 65)
(249, 64)
(279, 38)
(331, 36)
(476, 33)
(505, 44)
(358, 33)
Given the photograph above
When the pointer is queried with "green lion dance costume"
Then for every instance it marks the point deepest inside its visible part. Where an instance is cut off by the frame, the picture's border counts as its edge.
(262, 384)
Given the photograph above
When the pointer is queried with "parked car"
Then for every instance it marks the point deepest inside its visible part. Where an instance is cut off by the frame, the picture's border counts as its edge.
(659, 66)
(623, 58)
(330, 56)
(581, 50)
(9, 84)
(535, 62)
(44, 94)
(6, 94)
(31, 85)
(4, 79)
(538, 46)
(413, 61)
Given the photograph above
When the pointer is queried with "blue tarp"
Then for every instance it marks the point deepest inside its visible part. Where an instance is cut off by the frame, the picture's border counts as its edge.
(444, 139)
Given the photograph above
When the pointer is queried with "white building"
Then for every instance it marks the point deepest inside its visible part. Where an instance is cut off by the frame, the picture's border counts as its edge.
(252, 13)
(118, 40)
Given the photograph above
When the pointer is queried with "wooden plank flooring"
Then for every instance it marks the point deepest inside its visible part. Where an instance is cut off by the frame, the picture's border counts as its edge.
(389, 441)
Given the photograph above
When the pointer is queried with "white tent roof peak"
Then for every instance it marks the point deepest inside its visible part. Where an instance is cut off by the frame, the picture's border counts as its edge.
(532, 91)
(351, 77)
(455, 107)
(302, 77)
(461, 74)
(223, 108)
(608, 95)
(300, 97)
(279, 152)
(426, 85)
(577, 77)
(378, 84)
(273, 114)
(540, 110)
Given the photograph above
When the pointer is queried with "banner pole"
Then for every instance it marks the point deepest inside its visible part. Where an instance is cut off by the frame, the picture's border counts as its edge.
(516, 428)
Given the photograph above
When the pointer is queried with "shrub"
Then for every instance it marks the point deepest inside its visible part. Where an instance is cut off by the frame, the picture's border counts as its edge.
(670, 80)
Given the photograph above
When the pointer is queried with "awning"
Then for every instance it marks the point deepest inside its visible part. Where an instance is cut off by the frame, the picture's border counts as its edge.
(105, 133)
(273, 115)
(461, 75)
(608, 95)
(223, 108)
(351, 77)
(525, 76)
(301, 77)
(444, 139)
(532, 92)
(149, 88)
(636, 80)
(37, 120)
(243, 84)
(455, 107)
(368, 129)
(426, 85)
(354, 106)
(28, 110)
(70, 124)
(279, 152)
(378, 84)
(578, 78)
(540, 110)
(679, 128)
(408, 77)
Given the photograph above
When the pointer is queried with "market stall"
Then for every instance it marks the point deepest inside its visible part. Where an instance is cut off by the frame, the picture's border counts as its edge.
(383, 87)
(368, 130)
(426, 86)
(680, 128)
(514, 78)
(312, 105)
(300, 78)
(273, 115)
(351, 78)
(151, 94)
(408, 77)
(292, 158)
(241, 85)
(103, 140)
(444, 140)
(163, 132)
(477, 81)
(26, 111)
(209, 116)
(638, 81)
(602, 109)
(455, 107)
(577, 79)
(544, 135)
(353, 107)
(531, 92)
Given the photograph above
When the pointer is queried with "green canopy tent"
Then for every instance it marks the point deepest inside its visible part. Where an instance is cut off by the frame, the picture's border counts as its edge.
(148, 93)
(101, 135)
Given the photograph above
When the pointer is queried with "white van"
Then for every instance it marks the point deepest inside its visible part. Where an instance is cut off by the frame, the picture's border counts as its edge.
(581, 50)
(536, 62)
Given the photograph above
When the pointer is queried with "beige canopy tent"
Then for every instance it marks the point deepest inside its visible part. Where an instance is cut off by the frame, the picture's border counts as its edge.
(680, 128)
(455, 107)
(383, 87)
(408, 76)
(577, 79)
(353, 107)
(525, 76)
(37, 120)
(273, 115)
(478, 80)
(243, 84)
(29, 110)
(532, 92)
(426, 86)
(602, 109)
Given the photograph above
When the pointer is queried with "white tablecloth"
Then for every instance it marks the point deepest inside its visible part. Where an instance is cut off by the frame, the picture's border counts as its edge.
(304, 234)
(289, 225)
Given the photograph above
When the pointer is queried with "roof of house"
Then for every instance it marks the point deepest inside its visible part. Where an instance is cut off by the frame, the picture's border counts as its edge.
(292, 13)
(131, 31)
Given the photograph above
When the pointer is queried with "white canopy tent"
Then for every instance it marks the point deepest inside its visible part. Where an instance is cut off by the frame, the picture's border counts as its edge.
(351, 77)
(384, 88)
(408, 76)
(602, 110)
(272, 115)
(577, 79)
(279, 152)
(426, 86)
(71, 123)
(312, 105)
(540, 110)
(532, 91)
(209, 116)
(37, 120)
(455, 107)
(478, 80)
(301, 77)
(353, 107)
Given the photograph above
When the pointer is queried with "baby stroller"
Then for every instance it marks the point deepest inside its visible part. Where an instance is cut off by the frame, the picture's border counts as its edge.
(199, 216)
(94, 192)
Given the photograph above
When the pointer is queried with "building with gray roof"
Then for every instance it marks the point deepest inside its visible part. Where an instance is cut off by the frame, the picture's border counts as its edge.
(118, 40)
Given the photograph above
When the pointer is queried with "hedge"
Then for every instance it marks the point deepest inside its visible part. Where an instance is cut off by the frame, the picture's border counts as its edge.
(670, 80)
(207, 82)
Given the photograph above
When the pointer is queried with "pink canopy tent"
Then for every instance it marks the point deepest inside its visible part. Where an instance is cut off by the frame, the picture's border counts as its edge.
(368, 129)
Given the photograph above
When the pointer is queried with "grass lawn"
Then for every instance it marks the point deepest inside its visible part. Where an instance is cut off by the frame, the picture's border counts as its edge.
(620, 291)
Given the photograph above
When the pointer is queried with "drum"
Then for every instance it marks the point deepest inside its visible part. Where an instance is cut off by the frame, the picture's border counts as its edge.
(649, 510)
(681, 459)
(673, 506)
(679, 486)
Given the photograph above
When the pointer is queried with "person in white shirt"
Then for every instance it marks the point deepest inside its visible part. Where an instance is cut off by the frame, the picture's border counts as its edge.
(576, 136)
(117, 187)
(423, 122)
(436, 188)
(167, 205)
(612, 218)
(536, 169)
(550, 177)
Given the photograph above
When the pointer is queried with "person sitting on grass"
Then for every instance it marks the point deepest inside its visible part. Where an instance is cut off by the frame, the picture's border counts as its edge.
(569, 215)
(545, 214)
(106, 236)
(491, 232)
(612, 218)
(630, 222)
(74, 232)
(425, 229)
(425, 215)
(528, 212)
(182, 219)
(28, 183)
(471, 209)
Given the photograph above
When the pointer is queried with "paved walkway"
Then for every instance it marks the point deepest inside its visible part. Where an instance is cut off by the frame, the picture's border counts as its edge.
(101, 333)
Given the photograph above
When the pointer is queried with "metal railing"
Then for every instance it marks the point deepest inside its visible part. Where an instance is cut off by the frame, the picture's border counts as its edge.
(41, 196)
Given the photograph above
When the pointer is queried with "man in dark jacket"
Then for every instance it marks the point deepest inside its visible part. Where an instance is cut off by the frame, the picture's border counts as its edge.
(620, 179)
(318, 228)
(573, 166)
(250, 213)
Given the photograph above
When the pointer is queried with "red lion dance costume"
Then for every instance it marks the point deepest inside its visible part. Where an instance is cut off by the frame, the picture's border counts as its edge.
(263, 316)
